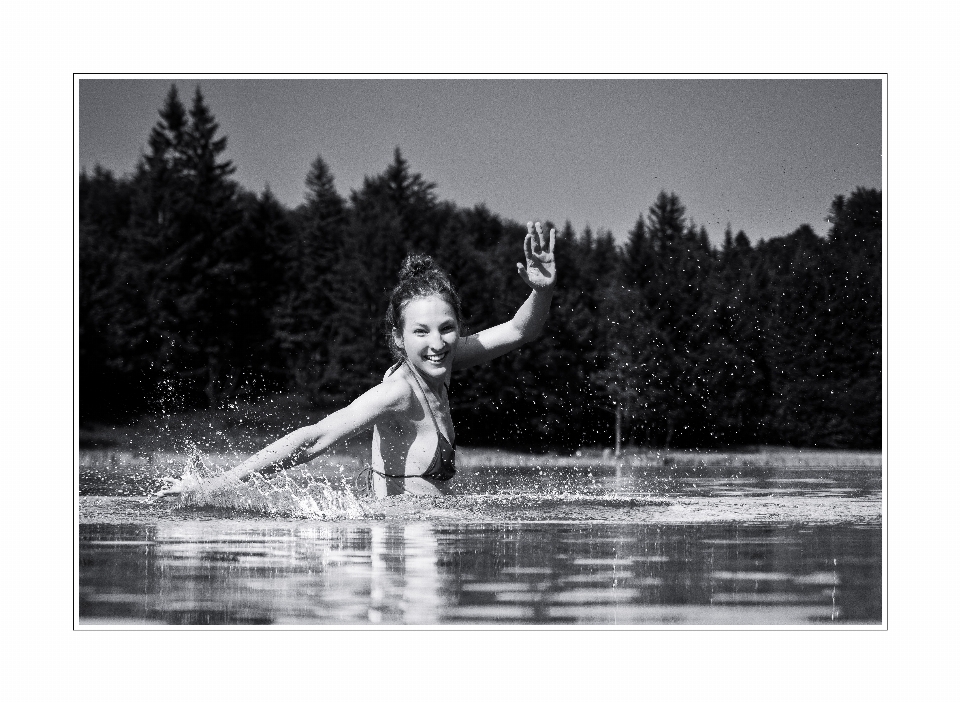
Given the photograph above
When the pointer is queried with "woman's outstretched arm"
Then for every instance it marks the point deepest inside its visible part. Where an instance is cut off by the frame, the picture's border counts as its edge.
(540, 273)
(306, 443)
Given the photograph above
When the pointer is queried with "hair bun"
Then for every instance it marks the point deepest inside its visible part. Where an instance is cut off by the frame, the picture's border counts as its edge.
(416, 265)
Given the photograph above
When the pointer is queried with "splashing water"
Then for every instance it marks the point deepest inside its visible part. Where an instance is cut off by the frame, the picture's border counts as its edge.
(296, 493)
(301, 494)
(843, 489)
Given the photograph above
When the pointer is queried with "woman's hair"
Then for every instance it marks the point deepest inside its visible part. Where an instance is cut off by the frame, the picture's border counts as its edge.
(419, 277)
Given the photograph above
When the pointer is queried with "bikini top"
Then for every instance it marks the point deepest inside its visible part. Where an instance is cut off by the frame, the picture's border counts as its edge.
(443, 465)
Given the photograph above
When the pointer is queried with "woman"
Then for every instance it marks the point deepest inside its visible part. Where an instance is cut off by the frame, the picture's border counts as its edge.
(413, 438)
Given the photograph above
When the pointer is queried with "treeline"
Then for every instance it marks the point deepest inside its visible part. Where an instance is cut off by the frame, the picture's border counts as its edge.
(194, 292)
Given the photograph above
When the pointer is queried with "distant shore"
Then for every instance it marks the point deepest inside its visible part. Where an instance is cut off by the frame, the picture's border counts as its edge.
(234, 432)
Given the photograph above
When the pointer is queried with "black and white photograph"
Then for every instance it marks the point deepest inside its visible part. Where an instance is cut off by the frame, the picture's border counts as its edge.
(602, 349)
(480, 352)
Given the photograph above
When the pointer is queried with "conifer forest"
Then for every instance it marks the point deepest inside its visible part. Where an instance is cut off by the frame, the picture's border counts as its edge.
(191, 285)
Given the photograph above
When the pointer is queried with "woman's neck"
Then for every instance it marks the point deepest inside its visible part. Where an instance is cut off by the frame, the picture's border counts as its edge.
(436, 384)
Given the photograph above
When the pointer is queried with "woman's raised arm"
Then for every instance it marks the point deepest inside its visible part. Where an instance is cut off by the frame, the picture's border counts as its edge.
(540, 273)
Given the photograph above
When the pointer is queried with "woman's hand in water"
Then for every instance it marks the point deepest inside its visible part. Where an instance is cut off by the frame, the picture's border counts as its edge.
(175, 487)
(172, 487)
(541, 270)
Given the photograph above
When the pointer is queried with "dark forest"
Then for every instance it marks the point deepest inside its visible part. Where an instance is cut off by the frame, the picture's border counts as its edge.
(192, 287)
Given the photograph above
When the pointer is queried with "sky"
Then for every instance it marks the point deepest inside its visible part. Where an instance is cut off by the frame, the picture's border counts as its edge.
(764, 155)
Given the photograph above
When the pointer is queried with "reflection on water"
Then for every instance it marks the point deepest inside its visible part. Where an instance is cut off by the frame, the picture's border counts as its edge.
(782, 545)
(224, 572)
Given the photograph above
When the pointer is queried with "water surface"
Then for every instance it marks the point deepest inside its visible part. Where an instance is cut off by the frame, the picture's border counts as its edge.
(694, 541)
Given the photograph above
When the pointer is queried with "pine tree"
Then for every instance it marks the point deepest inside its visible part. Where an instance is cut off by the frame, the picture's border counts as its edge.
(729, 345)
(304, 319)
(393, 214)
(109, 328)
(797, 296)
(621, 375)
(854, 319)
(667, 296)
(266, 239)
(186, 225)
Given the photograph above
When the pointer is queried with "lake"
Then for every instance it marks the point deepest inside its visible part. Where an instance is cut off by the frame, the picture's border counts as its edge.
(779, 538)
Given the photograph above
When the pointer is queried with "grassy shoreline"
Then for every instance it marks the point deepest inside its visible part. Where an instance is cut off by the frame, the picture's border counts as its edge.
(473, 457)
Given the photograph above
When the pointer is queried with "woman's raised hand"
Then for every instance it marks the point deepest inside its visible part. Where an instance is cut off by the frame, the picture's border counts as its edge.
(541, 270)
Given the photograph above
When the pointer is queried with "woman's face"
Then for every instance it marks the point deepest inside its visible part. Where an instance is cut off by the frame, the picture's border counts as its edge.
(430, 335)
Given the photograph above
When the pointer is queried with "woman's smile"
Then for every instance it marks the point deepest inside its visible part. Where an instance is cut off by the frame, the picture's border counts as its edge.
(437, 358)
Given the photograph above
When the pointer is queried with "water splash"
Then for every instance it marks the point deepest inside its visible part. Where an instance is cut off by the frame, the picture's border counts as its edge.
(295, 493)
(325, 490)
(330, 493)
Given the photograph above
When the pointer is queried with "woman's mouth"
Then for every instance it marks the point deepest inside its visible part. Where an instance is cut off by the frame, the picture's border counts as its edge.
(436, 357)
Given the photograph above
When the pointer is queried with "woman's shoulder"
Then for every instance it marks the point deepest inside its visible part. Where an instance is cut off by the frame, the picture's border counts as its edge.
(396, 391)
(392, 370)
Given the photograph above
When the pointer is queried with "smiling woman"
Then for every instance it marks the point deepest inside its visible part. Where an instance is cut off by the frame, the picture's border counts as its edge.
(413, 440)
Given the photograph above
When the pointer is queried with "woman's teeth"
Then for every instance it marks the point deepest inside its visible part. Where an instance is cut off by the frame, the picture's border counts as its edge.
(436, 357)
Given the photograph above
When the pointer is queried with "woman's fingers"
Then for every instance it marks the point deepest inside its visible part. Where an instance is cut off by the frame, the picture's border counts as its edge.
(528, 245)
(169, 488)
(537, 242)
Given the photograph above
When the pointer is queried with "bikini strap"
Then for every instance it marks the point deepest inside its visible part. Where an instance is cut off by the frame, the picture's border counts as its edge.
(392, 369)
(416, 377)
(388, 475)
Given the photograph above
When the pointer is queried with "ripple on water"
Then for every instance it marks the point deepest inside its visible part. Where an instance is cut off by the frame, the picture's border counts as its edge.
(331, 495)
